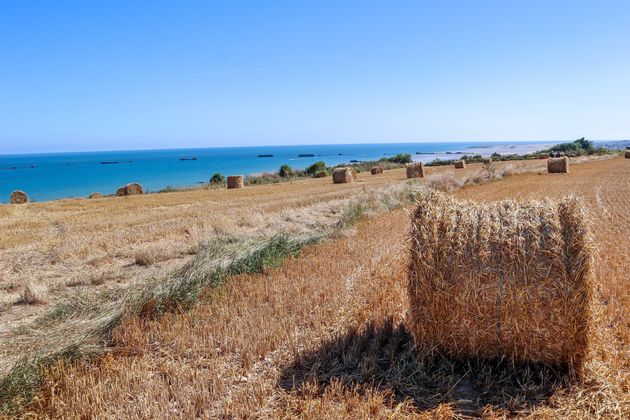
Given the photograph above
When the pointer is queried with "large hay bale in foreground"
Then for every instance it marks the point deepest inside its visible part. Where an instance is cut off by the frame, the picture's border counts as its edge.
(376, 170)
(95, 195)
(18, 197)
(130, 189)
(460, 164)
(344, 175)
(501, 280)
(415, 170)
(558, 165)
(627, 154)
(235, 181)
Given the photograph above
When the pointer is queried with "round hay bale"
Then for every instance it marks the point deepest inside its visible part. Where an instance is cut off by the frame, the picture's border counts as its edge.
(486, 160)
(415, 170)
(130, 189)
(95, 195)
(501, 280)
(627, 154)
(321, 174)
(344, 175)
(376, 170)
(235, 181)
(558, 165)
(18, 197)
(543, 156)
(460, 164)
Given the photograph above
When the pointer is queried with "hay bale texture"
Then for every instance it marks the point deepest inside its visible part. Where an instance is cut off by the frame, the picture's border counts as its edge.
(376, 170)
(627, 154)
(95, 195)
(18, 197)
(415, 170)
(558, 165)
(235, 181)
(344, 175)
(460, 164)
(501, 280)
(130, 189)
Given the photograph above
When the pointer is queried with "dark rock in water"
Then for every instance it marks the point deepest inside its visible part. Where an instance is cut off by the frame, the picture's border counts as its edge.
(188, 158)
(265, 156)
(306, 155)
(110, 163)
(33, 166)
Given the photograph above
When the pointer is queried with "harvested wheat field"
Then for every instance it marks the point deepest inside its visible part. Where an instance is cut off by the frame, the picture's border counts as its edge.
(323, 336)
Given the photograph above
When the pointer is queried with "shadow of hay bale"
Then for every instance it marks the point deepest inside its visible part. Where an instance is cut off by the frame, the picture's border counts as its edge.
(381, 357)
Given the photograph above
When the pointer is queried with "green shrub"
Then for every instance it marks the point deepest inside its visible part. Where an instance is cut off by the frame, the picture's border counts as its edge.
(286, 171)
(217, 179)
(316, 167)
(401, 158)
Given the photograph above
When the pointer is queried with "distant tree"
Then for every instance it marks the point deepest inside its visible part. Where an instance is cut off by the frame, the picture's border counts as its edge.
(217, 179)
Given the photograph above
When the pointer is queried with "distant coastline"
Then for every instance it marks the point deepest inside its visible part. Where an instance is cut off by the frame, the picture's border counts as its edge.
(64, 175)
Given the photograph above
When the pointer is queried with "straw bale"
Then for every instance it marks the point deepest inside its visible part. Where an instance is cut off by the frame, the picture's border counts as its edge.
(130, 189)
(415, 170)
(95, 195)
(376, 170)
(18, 197)
(501, 280)
(344, 175)
(235, 181)
(558, 165)
(460, 164)
(627, 154)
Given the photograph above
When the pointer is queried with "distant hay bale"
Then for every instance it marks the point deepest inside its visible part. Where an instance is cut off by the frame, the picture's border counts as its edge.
(130, 189)
(321, 174)
(235, 181)
(460, 164)
(18, 197)
(627, 154)
(558, 165)
(487, 160)
(344, 175)
(376, 170)
(95, 195)
(501, 280)
(415, 170)
(543, 156)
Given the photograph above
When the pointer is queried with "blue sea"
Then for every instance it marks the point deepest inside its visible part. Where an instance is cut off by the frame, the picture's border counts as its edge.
(62, 175)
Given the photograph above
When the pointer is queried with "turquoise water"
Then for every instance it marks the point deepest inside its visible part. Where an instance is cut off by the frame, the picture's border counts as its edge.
(51, 176)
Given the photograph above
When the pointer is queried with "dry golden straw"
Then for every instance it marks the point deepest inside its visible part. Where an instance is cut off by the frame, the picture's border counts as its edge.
(376, 170)
(130, 189)
(344, 175)
(558, 165)
(460, 164)
(415, 170)
(503, 279)
(235, 181)
(18, 197)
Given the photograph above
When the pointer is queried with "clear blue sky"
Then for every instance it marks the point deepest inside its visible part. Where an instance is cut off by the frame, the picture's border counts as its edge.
(97, 75)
